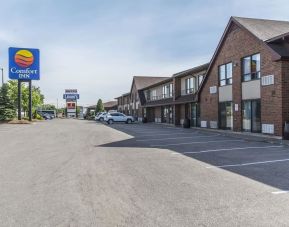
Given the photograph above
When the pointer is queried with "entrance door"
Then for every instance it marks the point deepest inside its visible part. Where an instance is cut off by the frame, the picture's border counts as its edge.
(167, 114)
(226, 115)
(170, 114)
(195, 115)
(251, 110)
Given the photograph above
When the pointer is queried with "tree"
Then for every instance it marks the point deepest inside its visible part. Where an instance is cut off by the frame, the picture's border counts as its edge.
(37, 97)
(99, 106)
(48, 107)
(7, 108)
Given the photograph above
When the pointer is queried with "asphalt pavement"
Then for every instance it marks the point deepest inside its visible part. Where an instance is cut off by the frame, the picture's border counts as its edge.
(82, 173)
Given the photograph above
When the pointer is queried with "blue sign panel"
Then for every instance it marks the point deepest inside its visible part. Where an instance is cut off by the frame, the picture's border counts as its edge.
(24, 64)
(71, 96)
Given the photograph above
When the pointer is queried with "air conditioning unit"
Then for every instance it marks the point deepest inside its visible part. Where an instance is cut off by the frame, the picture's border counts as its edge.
(267, 80)
(268, 128)
(203, 124)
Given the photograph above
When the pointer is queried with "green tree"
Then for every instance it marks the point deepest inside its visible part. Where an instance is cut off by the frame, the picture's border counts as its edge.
(37, 97)
(99, 106)
(7, 108)
(47, 107)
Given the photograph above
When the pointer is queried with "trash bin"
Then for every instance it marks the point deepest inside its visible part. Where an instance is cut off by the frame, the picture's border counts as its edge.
(286, 131)
(187, 123)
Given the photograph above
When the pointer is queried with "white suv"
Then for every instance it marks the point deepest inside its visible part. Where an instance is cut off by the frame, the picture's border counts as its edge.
(118, 117)
(100, 116)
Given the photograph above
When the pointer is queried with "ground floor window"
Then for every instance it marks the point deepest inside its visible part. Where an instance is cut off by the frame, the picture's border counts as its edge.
(225, 115)
(167, 114)
(251, 114)
(195, 115)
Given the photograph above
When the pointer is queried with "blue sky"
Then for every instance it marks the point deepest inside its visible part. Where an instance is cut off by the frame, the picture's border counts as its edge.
(97, 46)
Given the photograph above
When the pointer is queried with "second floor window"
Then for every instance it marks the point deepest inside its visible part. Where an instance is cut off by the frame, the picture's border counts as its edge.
(190, 85)
(168, 91)
(200, 79)
(225, 74)
(148, 95)
(251, 66)
(154, 95)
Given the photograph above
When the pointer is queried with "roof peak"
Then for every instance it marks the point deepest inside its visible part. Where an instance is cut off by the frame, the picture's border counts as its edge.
(263, 29)
(260, 19)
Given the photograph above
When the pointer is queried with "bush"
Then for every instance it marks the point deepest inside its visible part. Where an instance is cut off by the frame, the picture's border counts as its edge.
(7, 109)
(38, 117)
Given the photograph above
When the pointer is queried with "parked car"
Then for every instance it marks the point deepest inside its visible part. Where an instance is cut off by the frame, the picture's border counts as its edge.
(100, 116)
(46, 116)
(118, 117)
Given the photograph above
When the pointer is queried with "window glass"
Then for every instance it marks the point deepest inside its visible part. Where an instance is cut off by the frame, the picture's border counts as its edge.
(222, 82)
(246, 65)
(187, 84)
(222, 72)
(225, 74)
(171, 89)
(256, 63)
(200, 78)
(229, 70)
(193, 84)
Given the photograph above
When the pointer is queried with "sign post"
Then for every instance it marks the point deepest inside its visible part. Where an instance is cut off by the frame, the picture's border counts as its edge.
(71, 96)
(24, 67)
(19, 99)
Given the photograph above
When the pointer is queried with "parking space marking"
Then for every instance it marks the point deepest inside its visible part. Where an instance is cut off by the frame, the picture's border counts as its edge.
(228, 149)
(177, 144)
(280, 192)
(249, 163)
(168, 134)
(175, 138)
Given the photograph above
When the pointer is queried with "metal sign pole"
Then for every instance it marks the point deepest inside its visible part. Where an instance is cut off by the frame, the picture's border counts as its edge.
(76, 108)
(19, 100)
(30, 100)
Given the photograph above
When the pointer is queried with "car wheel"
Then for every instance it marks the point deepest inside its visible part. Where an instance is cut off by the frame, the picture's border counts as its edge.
(101, 119)
(110, 121)
(129, 121)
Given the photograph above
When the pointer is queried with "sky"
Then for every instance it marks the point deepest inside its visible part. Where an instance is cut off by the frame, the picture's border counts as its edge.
(97, 46)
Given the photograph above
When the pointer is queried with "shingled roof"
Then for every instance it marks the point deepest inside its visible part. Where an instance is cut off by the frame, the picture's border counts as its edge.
(264, 29)
(109, 104)
(145, 81)
(268, 31)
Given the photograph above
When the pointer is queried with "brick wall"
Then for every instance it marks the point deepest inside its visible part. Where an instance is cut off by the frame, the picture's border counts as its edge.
(239, 43)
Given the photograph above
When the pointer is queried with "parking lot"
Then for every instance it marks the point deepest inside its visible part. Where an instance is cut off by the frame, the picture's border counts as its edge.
(264, 162)
(82, 173)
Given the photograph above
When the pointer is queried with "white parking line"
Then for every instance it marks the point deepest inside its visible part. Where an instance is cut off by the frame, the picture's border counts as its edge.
(280, 192)
(175, 138)
(168, 134)
(177, 144)
(248, 163)
(228, 149)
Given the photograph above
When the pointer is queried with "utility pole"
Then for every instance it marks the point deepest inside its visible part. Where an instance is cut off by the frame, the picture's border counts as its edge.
(56, 108)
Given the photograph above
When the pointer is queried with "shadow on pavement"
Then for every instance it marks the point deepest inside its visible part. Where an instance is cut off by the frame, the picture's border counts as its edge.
(225, 151)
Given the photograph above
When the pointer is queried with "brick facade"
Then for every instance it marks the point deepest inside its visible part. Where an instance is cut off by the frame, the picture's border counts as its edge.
(239, 43)
(243, 37)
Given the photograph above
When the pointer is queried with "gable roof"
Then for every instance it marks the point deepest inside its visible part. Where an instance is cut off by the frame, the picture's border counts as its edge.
(196, 69)
(145, 81)
(123, 95)
(109, 104)
(263, 29)
(169, 79)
